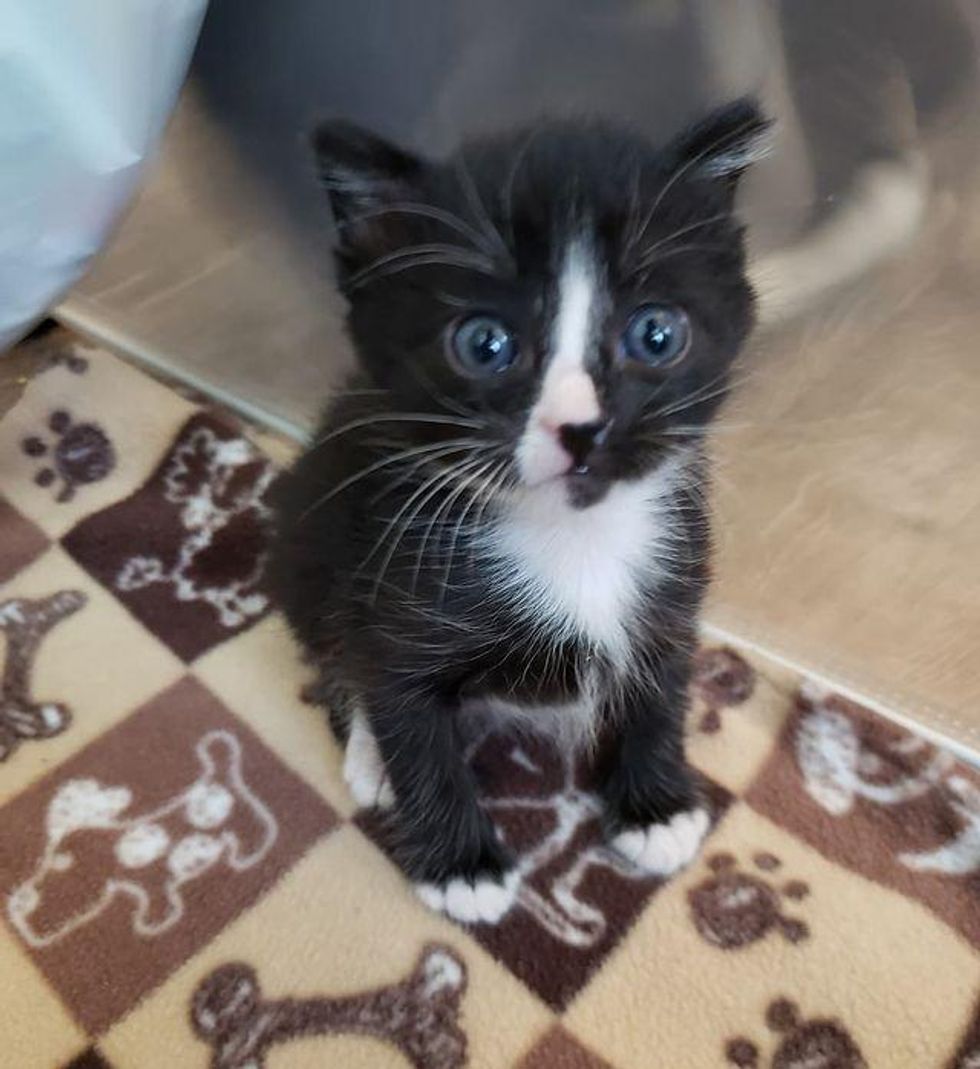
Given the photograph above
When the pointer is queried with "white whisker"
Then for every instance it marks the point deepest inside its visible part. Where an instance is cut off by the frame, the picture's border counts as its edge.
(445, 507)
(454, 445)
(479, 209)
(439, 215)
(398, 417)
(679, 173)
(421, 256)
(647, 256)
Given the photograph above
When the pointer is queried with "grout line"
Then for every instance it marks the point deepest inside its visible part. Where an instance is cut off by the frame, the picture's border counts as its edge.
(938, 738)
(73, 313)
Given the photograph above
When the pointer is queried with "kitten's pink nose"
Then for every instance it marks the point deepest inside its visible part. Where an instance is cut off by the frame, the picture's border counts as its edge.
(564, 427)
(568, 398)
(580, 439)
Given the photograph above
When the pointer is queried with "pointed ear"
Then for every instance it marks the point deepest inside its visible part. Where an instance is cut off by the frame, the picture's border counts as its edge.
(724, 144)
(359, 170)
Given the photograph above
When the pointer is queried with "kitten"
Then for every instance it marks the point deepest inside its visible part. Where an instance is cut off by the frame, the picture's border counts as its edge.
(504, 514)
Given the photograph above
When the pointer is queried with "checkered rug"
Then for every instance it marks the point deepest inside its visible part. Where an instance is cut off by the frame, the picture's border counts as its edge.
(186, 883)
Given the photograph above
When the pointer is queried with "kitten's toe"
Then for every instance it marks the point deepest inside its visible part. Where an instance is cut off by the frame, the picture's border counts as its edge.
(485, 900)
(364, 769)
(663, 848)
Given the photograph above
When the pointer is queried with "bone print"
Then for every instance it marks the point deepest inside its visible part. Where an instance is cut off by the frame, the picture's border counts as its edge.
(94, 853)
(25, 622)
(419, 1015)
(839, 767)
(220, 484)
(733, 909)
(961, 853)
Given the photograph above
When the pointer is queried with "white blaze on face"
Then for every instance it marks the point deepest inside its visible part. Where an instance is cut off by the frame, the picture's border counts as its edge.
(568, 394)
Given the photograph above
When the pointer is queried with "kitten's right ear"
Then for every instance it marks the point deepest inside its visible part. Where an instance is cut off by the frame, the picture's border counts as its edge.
(359, 170)
(724, 144)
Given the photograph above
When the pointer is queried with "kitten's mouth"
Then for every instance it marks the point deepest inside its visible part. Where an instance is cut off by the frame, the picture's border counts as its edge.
(575, 477)
(585, 486)
(544, 462)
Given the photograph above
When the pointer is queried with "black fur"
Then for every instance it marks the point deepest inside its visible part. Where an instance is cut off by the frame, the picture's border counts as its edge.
(409, 619)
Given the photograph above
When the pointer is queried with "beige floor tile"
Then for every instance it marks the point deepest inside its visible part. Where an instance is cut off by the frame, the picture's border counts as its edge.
(343, 921)
(260, 676)
(139, 434)
(847, 502)
(28, 1000)
(899, 981)
(734, 752)
(79, 664)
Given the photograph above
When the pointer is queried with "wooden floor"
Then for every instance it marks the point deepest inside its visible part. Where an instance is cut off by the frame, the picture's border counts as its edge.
(848, 470)
(849, 488)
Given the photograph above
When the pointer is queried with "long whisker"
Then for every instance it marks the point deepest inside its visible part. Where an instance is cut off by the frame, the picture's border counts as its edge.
(677, 250)
(495, 488)
(446, 509)
(633, 219)
(483, 493)
(717, 428)
(454, 445)
(366, 392)
(679, 173)
(426, 492)
(700, 396)
(394, 521)
(421, 256)
(649, 254)
(507, 190)
(399, 417)
(413, 469)
(479, 208)
(440, 398)
(703, 393)
(439, 215)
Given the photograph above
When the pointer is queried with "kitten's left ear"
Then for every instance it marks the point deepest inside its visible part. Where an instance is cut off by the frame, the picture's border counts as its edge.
(360, 170)
(724, 144)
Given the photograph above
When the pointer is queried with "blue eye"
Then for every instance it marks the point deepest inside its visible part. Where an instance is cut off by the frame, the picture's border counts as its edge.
(483, 345)
(657, 335)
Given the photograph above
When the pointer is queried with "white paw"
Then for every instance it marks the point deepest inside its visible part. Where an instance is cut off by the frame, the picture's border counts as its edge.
(483, 902)
(662, 849)
(364, 769)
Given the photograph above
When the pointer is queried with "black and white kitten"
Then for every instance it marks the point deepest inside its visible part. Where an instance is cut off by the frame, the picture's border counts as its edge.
(504, 514)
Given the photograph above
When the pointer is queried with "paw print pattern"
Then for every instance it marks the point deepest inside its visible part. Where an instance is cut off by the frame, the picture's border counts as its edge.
(733, 909)
(70, 361)
(81, 453)
(822, 1042)
(721, 679)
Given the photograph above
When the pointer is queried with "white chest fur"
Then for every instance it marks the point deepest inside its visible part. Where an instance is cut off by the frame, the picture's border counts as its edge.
(582, 570)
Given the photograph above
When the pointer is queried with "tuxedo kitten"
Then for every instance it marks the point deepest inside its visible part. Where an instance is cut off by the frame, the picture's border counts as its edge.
(503, 515)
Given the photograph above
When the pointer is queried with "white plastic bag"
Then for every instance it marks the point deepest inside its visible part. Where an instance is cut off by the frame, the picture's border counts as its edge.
(85, 91)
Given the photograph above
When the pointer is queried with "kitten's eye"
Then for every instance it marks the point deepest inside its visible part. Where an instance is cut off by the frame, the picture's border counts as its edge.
(483, 345)
(657, 335)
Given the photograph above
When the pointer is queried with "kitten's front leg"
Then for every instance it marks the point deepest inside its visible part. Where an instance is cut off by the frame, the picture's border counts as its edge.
(442, 838)
(656, 817)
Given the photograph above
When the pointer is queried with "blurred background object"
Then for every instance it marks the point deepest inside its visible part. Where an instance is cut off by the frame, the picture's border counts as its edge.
(849, 494)
(85, 92)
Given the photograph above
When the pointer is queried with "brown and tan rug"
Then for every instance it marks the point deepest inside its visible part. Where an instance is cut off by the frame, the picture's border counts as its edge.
(184, 881)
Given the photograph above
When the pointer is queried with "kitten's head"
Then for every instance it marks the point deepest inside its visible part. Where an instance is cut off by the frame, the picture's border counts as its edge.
(575, 292)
